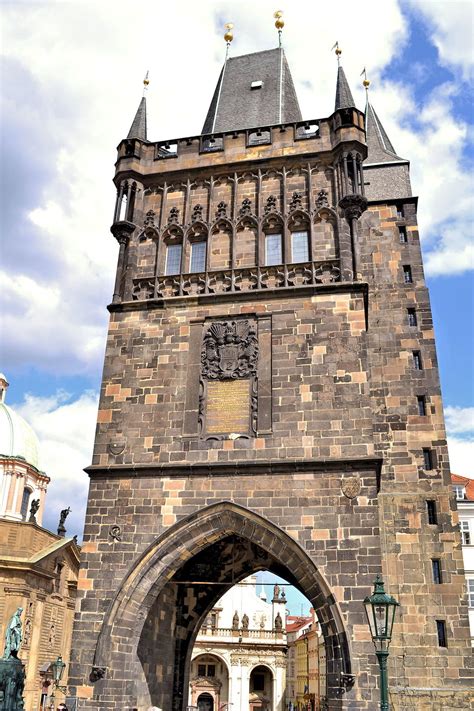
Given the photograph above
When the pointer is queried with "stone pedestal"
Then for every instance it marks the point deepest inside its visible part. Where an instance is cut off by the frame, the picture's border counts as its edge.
(12, 682)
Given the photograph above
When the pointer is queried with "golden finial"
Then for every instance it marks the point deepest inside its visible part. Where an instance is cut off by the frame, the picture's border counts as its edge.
(279, 24)
(228, 35)
(146, 81)
(338, 52)
(366, 82)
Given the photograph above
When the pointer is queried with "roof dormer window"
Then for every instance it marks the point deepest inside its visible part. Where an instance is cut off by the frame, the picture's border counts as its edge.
(459, 492)
(256, 84)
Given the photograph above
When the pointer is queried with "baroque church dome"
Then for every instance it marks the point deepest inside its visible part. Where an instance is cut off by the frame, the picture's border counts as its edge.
(17, 437)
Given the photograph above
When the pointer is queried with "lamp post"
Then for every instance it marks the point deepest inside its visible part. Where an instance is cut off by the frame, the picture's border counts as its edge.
(380, 610)
(57, 669)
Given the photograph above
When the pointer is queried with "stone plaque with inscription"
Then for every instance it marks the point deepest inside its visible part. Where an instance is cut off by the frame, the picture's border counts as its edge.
(228, 407)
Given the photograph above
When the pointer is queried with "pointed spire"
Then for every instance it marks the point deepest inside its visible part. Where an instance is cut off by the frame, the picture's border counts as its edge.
(379, 146)
(344, 98)
(138, 127)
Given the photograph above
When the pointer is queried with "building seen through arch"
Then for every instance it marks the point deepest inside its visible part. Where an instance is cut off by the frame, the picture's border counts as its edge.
(270, 343)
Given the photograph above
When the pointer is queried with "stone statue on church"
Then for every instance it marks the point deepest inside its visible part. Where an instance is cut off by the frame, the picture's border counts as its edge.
(35, 504)
(13, 636)
(276, 593)
(63, 516)
(235, 621)
(245, 622)
(278, 623)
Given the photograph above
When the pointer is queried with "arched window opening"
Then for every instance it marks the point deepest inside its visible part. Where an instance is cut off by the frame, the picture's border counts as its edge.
(173, 259)
(123, 208)
(205, 702)
(198, 256)
(25, 502)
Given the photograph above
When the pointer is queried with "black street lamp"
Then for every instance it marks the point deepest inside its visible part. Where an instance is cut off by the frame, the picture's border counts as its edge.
(57, 669)
(380, 610)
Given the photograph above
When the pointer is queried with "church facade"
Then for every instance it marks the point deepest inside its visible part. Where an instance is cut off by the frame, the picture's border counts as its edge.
(239, 657)
(270, 401)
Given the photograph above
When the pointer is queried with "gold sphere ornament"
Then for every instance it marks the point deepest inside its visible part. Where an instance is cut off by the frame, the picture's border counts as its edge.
(228, 36)
(338, 51)
(279, 24)
(366, 83)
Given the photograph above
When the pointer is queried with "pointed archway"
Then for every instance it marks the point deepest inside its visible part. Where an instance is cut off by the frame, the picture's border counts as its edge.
(164, 598)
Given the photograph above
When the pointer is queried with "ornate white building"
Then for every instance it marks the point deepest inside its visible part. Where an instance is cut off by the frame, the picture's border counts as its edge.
(239, 657)
(21, 480)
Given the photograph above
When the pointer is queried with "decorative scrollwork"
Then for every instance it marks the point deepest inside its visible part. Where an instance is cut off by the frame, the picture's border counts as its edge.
(221, 210)
(296, 202)
(270, 205)
(197, 213)
(322, 199)
(173, 217)
(229, 350)
(246, 208)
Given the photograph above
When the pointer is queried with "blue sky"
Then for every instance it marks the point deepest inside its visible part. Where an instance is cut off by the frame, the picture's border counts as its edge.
(70, 94)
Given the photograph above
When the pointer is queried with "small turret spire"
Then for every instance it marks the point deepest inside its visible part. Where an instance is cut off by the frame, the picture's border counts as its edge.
(138, 127)
(344, 99)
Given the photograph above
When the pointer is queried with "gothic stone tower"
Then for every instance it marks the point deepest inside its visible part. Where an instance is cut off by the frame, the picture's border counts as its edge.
(270, 400)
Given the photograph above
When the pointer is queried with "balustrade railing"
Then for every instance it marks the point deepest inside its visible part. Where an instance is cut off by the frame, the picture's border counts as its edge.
(236, 280)
(230, 632)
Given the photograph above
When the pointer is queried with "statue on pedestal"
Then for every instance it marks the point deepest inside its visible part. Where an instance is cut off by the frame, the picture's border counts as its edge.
(12, 672)
(13, 636)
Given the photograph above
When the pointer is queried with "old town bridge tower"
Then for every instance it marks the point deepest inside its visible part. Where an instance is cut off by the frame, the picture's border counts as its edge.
(270, 400)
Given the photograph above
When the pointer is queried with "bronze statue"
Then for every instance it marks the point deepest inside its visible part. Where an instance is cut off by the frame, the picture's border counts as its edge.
(35, 504)
(13, 636)
(64, 514)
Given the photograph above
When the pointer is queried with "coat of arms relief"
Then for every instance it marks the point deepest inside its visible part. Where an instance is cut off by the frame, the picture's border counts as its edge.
(229, 350)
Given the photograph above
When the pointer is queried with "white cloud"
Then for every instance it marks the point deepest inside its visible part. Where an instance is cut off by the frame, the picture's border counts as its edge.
(65, 429)
(461, 456)
(451, 23)
(459, 419)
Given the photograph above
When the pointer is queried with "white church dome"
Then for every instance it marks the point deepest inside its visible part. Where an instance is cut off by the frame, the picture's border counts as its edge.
(17, 438)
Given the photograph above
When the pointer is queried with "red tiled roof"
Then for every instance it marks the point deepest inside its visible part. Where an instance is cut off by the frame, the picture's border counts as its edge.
(295, 622)
(467, 483)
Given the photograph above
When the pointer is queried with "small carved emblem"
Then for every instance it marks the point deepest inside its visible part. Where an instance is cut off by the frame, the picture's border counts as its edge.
(115, 533)
(229, 350)
(351, 486)
(116, 448)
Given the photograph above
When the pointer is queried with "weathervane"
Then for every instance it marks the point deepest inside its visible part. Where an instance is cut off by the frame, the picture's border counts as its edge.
(146, 81)
(279, 24)
(338, 52)
(228, 36)
(366, 82)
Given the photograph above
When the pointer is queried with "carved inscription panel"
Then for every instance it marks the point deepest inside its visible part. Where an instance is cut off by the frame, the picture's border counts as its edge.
(228, 407)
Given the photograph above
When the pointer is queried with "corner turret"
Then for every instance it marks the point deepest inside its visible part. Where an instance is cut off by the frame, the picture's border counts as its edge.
(344, 98)
(138, 127)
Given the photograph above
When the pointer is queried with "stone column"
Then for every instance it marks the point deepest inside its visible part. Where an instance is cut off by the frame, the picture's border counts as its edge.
(354, 206)
(121, 231)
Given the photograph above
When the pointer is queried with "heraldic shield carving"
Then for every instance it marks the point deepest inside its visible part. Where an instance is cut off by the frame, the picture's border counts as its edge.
(229, 350)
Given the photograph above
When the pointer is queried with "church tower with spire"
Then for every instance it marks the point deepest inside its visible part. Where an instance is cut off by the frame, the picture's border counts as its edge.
(270, 401)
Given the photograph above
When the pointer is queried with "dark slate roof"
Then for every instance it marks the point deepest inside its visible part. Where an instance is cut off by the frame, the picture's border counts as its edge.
(235, 105)
(379, 146)
(344, 98)
(138, 127)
